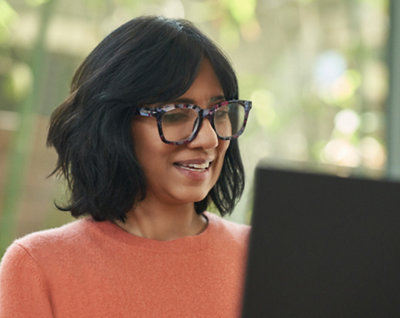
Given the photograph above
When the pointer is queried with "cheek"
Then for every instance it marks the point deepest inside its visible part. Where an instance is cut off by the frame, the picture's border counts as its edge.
(146, 142)
(222, 148)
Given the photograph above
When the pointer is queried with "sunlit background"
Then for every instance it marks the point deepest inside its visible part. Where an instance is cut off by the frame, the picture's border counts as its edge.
(316, 72)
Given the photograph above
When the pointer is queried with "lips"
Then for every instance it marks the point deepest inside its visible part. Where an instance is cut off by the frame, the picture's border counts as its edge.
(196, 165)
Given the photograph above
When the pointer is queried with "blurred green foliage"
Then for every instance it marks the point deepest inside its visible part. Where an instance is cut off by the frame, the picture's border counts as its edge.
(7, 15)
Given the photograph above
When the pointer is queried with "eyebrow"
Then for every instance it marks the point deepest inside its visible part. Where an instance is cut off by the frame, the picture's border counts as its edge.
(218, 98)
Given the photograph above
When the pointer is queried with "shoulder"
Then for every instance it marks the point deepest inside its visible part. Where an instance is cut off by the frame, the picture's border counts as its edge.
(228, 229)
(69, 232)
(47, 242)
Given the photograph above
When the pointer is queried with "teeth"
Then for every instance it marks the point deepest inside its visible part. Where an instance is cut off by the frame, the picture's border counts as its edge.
(196, 166)
(199, 166)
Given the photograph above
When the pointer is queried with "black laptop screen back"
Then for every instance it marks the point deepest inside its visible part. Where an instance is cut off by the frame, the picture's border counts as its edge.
(323, 246)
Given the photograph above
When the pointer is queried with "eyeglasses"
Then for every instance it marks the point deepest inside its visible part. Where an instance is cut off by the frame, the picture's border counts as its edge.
(180, 123)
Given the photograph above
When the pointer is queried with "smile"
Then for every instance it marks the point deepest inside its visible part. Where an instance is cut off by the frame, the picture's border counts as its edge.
(196, 167)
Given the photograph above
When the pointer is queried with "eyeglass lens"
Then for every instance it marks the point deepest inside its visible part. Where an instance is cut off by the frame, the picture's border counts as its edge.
(180, 123)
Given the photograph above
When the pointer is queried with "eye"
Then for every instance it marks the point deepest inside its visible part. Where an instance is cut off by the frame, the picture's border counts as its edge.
(178, 116)
(222, 113)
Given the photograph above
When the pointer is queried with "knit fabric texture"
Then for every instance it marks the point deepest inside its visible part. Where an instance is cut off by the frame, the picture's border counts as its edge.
(96, 269)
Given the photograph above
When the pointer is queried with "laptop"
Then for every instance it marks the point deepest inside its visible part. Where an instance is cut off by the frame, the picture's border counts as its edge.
(323, 246)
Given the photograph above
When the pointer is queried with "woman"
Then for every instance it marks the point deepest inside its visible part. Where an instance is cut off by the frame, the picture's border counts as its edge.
(146, 141)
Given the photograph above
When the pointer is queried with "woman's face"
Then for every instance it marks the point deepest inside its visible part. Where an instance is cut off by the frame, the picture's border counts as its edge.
(168, 175)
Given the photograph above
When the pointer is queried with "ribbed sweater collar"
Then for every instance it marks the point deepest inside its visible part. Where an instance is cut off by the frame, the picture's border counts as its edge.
(188, 244)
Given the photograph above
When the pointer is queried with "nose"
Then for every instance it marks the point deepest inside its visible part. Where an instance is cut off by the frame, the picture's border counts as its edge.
(206, 137)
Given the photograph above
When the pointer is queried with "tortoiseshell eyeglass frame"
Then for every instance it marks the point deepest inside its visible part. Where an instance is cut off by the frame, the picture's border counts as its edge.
(158, 112)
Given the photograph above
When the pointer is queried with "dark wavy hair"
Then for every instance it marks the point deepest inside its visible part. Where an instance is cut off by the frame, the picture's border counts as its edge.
(146, 60)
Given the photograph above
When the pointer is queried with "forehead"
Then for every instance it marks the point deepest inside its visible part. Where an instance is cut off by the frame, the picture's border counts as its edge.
(206, 88)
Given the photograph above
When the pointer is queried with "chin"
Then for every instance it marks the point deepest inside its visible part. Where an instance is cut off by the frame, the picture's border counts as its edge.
(192, 197)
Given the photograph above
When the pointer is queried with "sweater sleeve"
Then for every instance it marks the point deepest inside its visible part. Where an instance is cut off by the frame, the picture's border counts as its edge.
(23, 292)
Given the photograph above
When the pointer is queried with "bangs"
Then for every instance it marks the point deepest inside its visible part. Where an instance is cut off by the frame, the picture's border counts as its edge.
(172, 72)
(160, 71)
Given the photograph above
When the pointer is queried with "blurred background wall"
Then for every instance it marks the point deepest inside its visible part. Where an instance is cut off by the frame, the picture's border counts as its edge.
(316, 72)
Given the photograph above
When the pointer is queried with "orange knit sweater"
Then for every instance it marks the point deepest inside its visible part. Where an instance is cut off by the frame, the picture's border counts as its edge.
(95, 269)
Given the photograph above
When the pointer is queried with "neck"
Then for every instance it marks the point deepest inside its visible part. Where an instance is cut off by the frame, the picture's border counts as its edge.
(163, 222)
